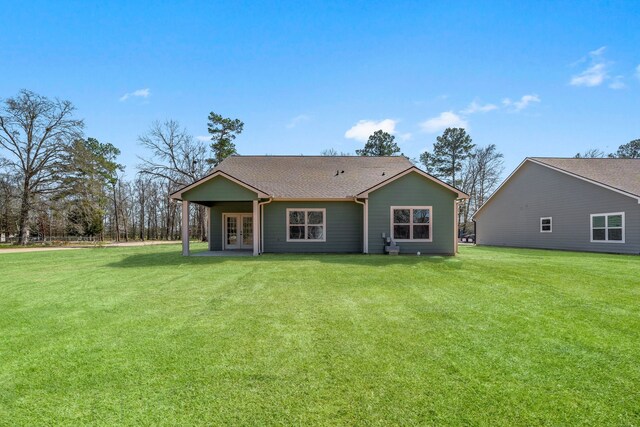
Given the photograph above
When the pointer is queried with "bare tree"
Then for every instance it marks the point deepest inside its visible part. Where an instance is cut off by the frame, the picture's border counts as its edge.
(141, 184)
(592, 153)
(35, 130)
(8, 198)
(332, 152)
(489, 163)
(176, 158)
(481, 175)
(175, 155)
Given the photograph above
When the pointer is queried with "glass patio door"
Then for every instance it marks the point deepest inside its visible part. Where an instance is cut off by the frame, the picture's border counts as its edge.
(238, 231)
(247, 232)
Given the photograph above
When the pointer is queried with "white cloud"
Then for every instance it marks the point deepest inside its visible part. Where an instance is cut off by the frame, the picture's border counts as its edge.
(617, 83)
(596, 73)
(475, 107)
(203, 138)
(446, 119)
(300, 118)
(592, 76)
(140, 93)
(362, 130)
(522, 103)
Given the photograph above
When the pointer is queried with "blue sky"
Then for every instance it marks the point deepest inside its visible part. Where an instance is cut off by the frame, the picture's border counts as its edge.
(536, 79)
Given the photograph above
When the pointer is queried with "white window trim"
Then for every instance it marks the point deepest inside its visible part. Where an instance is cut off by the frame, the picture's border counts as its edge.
(391, 224)
(305, 210)
(550, 230)
(606, 228)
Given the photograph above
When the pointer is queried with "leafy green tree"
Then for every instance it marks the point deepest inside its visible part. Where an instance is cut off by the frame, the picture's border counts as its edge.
(630, 150)
(380, 143)
(85, 219)
(450, 151)
(223, 132)
(426, 159)
(89, 170)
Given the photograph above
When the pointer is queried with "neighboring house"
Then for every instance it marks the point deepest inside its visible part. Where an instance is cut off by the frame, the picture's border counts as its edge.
(572, 204)
(324, 204)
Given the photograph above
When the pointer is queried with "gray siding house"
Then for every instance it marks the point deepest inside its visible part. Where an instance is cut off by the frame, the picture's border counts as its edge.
(571, 204)
(322, 204)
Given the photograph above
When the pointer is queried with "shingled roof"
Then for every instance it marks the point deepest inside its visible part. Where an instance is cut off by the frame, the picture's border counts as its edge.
(619, 174)
(313, 177)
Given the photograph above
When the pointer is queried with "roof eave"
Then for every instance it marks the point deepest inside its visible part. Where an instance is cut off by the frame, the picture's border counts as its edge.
(533, 160)
(177, 195)
(365, 194)
(584, 178)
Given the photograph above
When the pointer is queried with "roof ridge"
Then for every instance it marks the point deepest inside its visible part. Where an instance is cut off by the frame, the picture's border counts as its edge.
(584, 158)
(315, 155)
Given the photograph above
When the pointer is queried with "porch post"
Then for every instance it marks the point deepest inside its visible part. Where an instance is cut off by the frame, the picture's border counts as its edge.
(185, 228)
(208, 227)
(256, 228)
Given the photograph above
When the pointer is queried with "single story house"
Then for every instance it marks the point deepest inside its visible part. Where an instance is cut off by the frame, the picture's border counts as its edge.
(571, 204)
(323, 204)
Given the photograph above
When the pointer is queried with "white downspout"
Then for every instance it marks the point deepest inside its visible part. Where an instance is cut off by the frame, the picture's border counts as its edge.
(456, 218)
(365, 224)
(261, 205)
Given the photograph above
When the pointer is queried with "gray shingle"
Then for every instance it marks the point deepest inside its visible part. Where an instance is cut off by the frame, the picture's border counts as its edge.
(313, 177)
(621, 174)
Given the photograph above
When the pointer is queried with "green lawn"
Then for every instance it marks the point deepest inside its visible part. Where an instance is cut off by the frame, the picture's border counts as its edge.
(491, 337)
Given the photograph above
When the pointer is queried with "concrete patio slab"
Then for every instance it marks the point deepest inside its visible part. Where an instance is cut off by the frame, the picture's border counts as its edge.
(223, 253)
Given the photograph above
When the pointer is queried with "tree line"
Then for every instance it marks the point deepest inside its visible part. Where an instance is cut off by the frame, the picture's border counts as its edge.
(58, 184)
(630, 150)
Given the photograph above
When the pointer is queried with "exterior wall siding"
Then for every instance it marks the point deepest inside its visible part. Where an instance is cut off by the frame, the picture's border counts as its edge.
(219, 189)
(413, 190)
(512, 217)
(215, 220)
(343, 228)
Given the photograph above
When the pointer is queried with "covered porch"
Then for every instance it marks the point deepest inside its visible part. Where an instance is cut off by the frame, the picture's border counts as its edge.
(232, 227)
(233, 217)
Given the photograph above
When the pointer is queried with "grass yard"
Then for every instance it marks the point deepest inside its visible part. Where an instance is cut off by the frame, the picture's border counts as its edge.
(142, 335)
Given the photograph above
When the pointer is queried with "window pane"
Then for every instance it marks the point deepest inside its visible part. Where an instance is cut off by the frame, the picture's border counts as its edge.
(232, 230)
(599, 234)
(315, 232)
(615, 220)
(546, 228)
(314, 217)
(401, 216)
(296, 232)
(598, 221)
(546, 221)
(615, 234)
(296, 217)
(420, 231)
(400, 231)
(421, 216)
